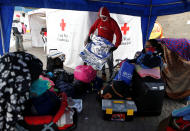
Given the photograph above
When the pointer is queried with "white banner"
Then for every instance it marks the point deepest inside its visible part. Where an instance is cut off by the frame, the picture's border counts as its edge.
(67, 30)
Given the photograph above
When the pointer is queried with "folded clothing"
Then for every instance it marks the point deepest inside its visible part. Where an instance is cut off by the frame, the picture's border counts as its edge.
(65, 87)
(149, 60)
(154, 72)
(185, 111)
(38, 87)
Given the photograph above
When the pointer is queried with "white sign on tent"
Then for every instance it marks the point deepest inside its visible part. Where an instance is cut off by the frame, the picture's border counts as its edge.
(67, 30)
(131, 36)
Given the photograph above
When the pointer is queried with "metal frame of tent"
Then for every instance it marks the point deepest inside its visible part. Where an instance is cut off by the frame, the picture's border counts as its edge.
(147, 9)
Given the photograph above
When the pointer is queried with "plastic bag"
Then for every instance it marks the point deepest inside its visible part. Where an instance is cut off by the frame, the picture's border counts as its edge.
(125, 73)
(96, 52)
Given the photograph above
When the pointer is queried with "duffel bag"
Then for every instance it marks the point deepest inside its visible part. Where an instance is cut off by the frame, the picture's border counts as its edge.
(84, 73)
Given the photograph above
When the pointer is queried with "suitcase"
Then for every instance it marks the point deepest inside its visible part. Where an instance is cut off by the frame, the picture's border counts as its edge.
(55, 60)
(148, 94)
(118, 110)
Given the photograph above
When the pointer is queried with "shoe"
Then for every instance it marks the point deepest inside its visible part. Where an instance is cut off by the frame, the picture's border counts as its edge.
(104, 77)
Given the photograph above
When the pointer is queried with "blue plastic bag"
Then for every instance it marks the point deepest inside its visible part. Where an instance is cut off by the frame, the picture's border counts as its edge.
(96, 52)
(125, 73)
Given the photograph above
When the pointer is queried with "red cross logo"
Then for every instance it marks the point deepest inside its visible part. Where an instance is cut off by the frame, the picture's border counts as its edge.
(62, 24)
(125, 29)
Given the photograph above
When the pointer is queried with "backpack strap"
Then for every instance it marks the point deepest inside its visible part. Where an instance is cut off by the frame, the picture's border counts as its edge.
(117, 93)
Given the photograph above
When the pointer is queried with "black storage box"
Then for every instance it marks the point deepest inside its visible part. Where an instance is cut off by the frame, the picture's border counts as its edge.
(148, 94)
(54, 60)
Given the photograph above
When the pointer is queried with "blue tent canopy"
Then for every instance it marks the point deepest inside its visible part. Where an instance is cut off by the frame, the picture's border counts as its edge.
(148, 10)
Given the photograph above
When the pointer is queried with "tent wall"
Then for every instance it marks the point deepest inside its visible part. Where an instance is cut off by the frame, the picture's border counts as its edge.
(6, 14)
(36, 23)
(70, 37)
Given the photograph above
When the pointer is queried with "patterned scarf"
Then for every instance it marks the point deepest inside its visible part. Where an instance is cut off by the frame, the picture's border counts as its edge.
(17, 70)
(179, 46)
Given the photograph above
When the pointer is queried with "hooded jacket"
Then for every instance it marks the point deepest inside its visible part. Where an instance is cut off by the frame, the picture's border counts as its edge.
(108, 28)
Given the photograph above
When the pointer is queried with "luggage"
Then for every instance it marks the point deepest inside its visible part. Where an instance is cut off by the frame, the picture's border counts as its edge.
(116, 90)
(65, 87)
(148, 94)
(62, 75)
(55, 60)
(64, 119)
(84, 73)
(119, 110)
(81, 88)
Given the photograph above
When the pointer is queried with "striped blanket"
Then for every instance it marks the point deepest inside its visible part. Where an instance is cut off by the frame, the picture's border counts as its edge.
(177, 72)
(179, 46)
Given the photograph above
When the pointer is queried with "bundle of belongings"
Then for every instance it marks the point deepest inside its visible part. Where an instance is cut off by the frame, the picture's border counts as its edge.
(48, 112)
(86, 80)
(96, 52)
(49, 108)
(179, 120)
(148, 87)
(139, 80)
(117, 103)
(30, 102)
(120, 88)
(145, 65)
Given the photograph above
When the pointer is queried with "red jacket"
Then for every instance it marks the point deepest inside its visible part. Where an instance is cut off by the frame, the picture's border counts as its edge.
(107, 28)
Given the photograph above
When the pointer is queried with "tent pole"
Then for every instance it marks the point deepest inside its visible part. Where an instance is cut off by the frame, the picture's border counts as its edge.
(2, 38)
(149, 21)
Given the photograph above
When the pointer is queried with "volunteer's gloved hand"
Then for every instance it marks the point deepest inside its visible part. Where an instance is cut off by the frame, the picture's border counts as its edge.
(88, 40)
(112, 49)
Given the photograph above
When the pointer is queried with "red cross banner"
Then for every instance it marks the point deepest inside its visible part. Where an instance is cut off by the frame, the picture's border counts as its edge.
(62, 24)
(67, 31)
(131, 36)
(124, 29)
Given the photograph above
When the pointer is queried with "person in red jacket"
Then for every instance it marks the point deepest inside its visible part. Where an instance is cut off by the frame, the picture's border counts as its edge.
(107, 27)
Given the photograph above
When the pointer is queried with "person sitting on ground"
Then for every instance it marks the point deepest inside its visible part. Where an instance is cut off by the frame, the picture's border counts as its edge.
(176, 72)
(150, 56)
